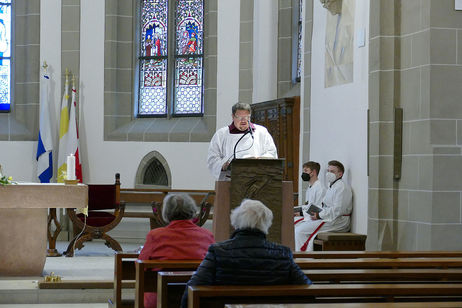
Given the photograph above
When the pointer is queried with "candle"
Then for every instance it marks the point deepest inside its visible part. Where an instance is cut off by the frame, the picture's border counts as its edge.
(71, 167)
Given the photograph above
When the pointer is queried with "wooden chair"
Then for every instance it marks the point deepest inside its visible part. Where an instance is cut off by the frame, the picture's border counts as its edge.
(101, 198)
(201, 218)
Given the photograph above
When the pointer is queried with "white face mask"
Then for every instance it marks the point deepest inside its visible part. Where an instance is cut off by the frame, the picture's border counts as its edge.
(330, 177)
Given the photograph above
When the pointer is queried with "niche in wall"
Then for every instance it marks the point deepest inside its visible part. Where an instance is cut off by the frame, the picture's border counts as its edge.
(153, 172)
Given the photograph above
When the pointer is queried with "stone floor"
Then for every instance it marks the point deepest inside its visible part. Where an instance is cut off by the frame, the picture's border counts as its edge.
(94, 262)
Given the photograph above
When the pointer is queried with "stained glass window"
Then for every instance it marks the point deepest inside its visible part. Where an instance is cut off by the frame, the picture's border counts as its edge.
(189, 60)
(175, 73)
(5, 55)
(153, 60)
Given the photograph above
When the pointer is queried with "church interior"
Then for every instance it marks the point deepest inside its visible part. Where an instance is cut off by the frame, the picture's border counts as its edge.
(374, 84)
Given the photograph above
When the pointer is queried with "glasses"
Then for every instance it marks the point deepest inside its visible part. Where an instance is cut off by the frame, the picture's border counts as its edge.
(244, 118)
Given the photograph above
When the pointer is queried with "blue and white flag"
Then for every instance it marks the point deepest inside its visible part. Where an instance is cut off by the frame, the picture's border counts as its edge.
(45, 141)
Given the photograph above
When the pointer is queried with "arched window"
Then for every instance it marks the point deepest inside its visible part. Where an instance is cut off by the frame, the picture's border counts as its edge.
(170, 58)
(5, 55)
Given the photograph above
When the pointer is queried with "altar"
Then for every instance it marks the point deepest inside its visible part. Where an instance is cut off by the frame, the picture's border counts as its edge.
(23, 223)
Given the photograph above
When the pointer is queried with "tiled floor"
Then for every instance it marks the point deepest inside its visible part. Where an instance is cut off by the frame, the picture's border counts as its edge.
(94, 262)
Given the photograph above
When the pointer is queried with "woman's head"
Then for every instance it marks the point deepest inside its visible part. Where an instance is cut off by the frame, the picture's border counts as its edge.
(178, 207)
(252, 214)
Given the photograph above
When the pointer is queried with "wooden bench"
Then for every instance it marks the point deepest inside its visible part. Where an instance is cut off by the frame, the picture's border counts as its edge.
(364, 271)
(377, 263)
(146, 276)
(329, 241)
(218, 296)
(165, 278)
(384, 275)
(343, 270)
(156, 196)
(124, 277)
(376, 254)
(354, 305)
(169, 282)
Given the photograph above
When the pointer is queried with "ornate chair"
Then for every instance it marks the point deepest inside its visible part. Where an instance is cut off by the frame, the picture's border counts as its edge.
(201, 218)
(105, 211)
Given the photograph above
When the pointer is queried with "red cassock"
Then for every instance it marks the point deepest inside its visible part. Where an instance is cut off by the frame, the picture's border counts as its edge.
(181, 239)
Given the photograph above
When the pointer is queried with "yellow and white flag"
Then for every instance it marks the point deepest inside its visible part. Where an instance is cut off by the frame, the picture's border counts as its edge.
(63, 134)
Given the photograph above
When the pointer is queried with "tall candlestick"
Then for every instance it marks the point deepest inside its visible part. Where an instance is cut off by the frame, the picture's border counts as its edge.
(71, 167)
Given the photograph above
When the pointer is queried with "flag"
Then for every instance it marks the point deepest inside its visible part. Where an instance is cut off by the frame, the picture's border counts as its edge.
(63, 128)
(73, 136)
(45, 141)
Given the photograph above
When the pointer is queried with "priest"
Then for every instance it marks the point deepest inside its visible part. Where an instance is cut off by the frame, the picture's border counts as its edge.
(240, 139)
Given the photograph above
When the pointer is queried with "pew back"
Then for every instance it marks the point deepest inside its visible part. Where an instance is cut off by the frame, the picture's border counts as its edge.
(354, 305)
(124, 270)
(218, 296)
(363, 263)
(376, 254)
(145, 281)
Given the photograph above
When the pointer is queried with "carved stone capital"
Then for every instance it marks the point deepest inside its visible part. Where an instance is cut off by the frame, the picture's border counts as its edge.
(333, 6)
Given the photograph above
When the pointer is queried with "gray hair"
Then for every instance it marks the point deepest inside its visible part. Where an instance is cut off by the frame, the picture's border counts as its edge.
(241, 106)
(178, 207)
(252, 214)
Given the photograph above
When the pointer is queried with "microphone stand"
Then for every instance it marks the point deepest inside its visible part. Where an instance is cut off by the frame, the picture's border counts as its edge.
(235, 146)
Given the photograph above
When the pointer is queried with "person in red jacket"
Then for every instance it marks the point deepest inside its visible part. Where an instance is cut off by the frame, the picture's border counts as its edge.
(181, 239)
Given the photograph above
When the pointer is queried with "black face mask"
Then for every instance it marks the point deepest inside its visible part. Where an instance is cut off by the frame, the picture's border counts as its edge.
(305, 176)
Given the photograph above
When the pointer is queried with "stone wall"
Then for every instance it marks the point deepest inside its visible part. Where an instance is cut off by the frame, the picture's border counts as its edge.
(414, 66)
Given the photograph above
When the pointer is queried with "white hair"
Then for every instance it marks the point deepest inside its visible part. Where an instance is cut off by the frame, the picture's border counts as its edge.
(252, 214)
(178, 207)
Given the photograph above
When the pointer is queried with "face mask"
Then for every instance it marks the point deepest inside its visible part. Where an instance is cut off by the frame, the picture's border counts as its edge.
(305, 176)
(330, 177)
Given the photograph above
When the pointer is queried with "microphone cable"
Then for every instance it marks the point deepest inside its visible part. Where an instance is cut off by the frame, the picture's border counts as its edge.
(233, 156)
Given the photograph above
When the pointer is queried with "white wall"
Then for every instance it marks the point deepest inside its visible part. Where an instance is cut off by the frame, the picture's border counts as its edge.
(228, 60)
(18, 157)
(101, 159)
(339, 114)
(265, 41)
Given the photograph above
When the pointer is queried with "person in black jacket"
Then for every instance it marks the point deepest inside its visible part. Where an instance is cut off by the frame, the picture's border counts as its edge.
(248, 258)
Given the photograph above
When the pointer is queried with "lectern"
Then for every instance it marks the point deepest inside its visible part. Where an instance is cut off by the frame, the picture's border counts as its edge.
(259, 179)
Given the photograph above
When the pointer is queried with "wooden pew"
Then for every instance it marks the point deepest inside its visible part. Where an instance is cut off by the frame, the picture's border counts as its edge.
(376, 254)
(360, 263)
(156, 196)
(218, 296)
(147, 282)
(124, 275)
(130, 195)
(384, 275)
(370, 270)
(354, 305)
(168, 284)
(166, 279)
